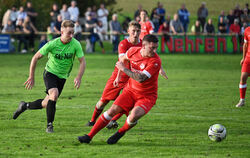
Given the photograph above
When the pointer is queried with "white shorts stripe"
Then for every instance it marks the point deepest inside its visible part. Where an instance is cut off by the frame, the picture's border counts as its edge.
(243, 86)
(146, 73)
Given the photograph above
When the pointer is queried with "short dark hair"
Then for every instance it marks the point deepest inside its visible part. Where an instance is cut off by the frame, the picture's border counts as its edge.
(143, 10)
(150, 38)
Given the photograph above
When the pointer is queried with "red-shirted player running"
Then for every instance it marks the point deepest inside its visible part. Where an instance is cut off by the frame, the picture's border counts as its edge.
(146, 26)
(111, 92)
(245, 70)
(139, 95)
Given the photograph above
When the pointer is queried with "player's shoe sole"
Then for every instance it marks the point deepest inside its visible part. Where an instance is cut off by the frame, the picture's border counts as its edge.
(90, 123)
(114, 138)
(84, 139)
(112, 124)
(21, 108)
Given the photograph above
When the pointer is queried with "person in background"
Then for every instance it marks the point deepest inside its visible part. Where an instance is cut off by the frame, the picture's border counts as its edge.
(115, 30)
(164, 29)
(196, 28)
(64, 12)
(202, 14)
(245, 17)
(21, 37)
(209, 27)
(78, 31)
(137, 12)
(53, 15)
(9, 27)
(100, 32)
(235, 27)
(155, 18)
(57, 27)
(230, 19)
(161, 12)
(222, 26)
(73, 11)
(29, 29)
(94, 13)
(146, 25)
(43, 41)
(184, 17)
(13, 15)
(31, 13)
(175, 25)
(90, 40)
(102, 14)
(21, 14)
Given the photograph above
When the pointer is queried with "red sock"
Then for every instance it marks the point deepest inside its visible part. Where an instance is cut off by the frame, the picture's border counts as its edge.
(243, 89)
(125, 128)
(96, 114)
(100, 124)
(117, 116)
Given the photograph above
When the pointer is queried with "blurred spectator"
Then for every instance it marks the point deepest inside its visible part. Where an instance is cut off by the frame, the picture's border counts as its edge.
(247, 7)
(21, 14)
(222, 14)
(73, 11)
(209, 27)
(53, 14)
(102, 14)
(146, 26)
(222, 26)
(155, 18)
(88, 12)
(137, 12)
(161, 12)
(230, 18)
(235, 27)
(115, 30)
(43, 41)
(125, 24)
(31, 13)
(64, 12)
(164, 29)
(29, 29)
(237, 11)
(94, 13)
(196, 28)
(6, 17)
(175, 25)
(202, 14)
(49, 34)
(78, 31)
(245, 18)
(244, 26)
(21, 37)
(57, 27)
(100, 32)
(9, 27)
(13, 15)
(184, 17)
(89, 27)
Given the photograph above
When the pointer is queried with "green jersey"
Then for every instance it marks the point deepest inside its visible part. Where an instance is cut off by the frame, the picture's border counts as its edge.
(61, 56)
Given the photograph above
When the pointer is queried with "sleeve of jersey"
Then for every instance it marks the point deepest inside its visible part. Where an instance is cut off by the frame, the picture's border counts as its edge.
(46, 48)
(151, 30)
(122, 49)
(245, 36)
(152, 68)
(79, 51)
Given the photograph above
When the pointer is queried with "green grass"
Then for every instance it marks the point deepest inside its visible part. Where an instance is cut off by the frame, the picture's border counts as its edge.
(202, 90)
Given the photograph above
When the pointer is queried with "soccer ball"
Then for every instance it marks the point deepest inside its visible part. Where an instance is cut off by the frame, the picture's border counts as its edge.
(217, 132)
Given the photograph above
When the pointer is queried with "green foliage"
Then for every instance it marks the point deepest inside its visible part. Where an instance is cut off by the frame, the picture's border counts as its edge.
(202, 90)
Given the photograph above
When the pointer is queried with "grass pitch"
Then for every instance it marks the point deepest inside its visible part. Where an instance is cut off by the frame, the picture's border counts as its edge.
(202, 90)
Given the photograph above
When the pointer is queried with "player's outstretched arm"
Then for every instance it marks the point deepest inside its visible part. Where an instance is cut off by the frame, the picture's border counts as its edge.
(119, 74)
(78, 79)
(31, 80)
(140, 77)
(163, 73)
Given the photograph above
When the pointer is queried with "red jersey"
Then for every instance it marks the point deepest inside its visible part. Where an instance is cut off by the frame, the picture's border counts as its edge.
(150, 66)
(234, 28)
(247, 40)
(146, 28)
(124, 45)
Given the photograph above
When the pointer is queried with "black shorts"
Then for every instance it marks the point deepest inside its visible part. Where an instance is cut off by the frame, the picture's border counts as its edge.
(52, 81)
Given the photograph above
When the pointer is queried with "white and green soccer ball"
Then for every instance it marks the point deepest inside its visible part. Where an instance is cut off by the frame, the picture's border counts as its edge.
(217, 132)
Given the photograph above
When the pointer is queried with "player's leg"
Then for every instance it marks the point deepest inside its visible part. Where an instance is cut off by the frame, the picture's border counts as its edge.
(136, 113)
(98, 110)
(102, 121)
(113, 123)
(243, 88)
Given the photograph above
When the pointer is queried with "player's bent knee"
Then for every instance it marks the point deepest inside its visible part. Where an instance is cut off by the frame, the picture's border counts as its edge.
(115, 109)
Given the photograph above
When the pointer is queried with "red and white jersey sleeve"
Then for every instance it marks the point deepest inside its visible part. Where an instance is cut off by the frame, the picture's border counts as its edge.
(150, 66)
(146, 28)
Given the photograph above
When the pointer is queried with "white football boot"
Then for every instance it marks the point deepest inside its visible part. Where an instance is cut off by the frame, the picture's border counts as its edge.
(241, 103)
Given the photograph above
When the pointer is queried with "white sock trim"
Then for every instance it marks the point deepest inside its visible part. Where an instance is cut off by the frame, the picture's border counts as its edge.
(242, 85)
(131, 123)
(242, 99)
(98, 106)
(106, 116)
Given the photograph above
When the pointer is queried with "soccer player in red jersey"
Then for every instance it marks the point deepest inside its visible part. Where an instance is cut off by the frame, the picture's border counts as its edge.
(139, 95)
(146, 25)
(111, 92)
(245, 70)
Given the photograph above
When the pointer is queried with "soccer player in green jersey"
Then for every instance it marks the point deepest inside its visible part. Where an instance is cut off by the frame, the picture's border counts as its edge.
(61, 53)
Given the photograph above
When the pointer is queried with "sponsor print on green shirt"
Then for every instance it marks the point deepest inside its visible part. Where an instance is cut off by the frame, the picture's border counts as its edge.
(61, 56)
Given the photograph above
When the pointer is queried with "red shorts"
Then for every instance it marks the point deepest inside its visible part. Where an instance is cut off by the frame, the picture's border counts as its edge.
(128, 100)
(110, 92)
(246, 66)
